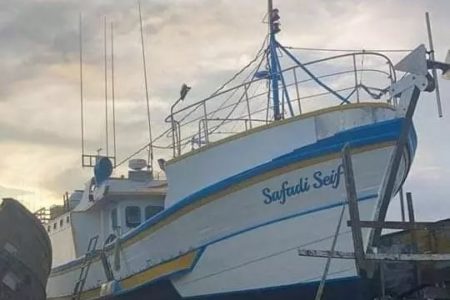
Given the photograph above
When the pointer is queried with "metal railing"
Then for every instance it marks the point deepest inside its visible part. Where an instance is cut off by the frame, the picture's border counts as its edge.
(248, 104)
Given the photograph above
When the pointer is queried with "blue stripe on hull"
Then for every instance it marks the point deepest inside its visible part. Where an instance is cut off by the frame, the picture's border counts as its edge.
(357, 137)
(352, 288)
(360, 136)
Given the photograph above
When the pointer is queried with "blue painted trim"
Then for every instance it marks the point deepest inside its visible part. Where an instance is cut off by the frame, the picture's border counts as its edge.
(302, 213)
(204, 246)
(357, 137)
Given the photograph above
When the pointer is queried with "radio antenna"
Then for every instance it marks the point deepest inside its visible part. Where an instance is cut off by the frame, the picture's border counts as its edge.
(106, 91)
(434, 72)
(113, 95)
(81, 88)
(150, 145)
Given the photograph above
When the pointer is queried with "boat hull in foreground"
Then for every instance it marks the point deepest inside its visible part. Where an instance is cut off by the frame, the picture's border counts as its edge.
(240, 236)
(25, 253)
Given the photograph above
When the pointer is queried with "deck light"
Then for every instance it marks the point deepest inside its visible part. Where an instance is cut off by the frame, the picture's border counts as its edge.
(184, 90)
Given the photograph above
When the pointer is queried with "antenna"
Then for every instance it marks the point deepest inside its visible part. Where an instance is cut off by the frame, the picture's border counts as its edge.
(106, 92)
(150, 153)
(430, 40)
(113, 94)
(81, 88)
(90, 160)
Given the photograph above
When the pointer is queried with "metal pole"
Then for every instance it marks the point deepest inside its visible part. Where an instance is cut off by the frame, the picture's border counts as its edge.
(113, 94)
(172, 122)
(297, 92)
(175, 135)
(106, 93)
(355, 71)
(150, 145)
(410, 207)
(310, 74)
(249, 112)
(178, 136)
(285, 92)
(81, 90)
(391, 175)
(205, 126)
(382, 280)
(430, 39)
(353, 209)
(402, 204)
(273, 64)
(412, 219)
(327, 265)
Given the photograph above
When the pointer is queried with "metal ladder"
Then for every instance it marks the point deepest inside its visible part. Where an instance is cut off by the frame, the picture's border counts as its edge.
(90, 254)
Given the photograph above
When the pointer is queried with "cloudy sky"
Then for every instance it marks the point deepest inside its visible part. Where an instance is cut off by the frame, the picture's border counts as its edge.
(200, 42)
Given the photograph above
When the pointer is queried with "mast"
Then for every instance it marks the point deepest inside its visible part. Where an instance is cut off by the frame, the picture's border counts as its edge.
(150, 145)
(273, 59)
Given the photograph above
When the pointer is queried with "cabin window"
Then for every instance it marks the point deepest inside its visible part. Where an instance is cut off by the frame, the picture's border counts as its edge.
(54, 225)
(48, 228)
(61, 223)
(114, 224)
(67, 219)
(151, 210)
(133, 216)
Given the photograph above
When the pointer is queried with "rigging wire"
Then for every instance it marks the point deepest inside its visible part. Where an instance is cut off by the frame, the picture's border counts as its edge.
(238, 102)
(261, 50)
(151, 143)
(258, 54)
(223, 86)
(348, 50)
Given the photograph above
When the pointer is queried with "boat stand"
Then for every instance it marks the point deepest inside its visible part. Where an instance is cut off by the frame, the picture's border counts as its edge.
(425, 265)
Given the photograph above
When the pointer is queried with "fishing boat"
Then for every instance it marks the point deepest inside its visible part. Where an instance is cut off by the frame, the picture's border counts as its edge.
(25, 253)
(255, 174)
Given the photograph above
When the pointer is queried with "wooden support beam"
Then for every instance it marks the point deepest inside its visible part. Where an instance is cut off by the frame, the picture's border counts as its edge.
(409, 202)
(408, 257)
(376, 256)
(401, 225)
(387, 191)
(412, 219)
(352, 199)
(326, 253)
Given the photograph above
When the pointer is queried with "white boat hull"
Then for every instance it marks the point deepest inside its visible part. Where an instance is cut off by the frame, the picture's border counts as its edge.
(266, 256)
(241, 234)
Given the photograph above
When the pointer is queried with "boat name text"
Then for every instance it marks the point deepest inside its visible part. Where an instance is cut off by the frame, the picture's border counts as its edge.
(304, 184)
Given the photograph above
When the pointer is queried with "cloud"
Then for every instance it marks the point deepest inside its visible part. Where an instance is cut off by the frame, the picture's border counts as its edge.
(198, 42)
